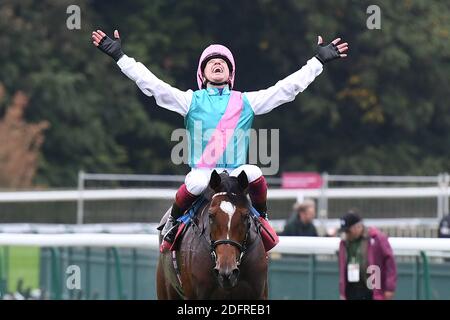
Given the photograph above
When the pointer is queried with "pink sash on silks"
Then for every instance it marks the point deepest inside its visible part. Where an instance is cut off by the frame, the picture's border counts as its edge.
(223, 133)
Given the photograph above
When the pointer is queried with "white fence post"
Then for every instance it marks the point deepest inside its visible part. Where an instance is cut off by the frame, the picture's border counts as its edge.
(80, 201)
(440, 204)
(443, 203)
(323, 199)
(446, 194)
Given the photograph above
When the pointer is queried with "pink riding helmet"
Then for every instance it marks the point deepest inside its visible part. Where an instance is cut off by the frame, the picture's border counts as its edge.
(216, 50)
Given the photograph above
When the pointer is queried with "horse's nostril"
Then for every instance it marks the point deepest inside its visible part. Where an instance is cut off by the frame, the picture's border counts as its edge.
(235, 273)
(216, 271)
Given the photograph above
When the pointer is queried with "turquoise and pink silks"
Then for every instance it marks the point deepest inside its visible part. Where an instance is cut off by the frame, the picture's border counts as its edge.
(218, 128)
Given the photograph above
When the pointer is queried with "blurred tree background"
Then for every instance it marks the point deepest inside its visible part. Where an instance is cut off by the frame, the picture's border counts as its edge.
(383, 110)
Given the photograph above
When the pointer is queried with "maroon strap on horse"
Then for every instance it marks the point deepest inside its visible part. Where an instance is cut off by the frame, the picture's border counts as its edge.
(181, 229)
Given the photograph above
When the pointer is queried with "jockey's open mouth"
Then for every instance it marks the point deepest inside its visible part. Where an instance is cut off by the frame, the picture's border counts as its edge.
(216, 71)
(217, 68)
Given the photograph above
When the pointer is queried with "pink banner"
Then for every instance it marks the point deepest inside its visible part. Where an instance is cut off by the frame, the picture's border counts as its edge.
(301, 180)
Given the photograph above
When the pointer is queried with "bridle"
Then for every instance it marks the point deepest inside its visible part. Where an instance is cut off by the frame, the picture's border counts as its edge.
(241, 247)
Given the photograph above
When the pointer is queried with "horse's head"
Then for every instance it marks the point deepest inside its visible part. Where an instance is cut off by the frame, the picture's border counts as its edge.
(229, 225)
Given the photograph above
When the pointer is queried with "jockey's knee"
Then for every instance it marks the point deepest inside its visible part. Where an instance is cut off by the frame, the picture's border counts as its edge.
(253, 172)
(196, 182)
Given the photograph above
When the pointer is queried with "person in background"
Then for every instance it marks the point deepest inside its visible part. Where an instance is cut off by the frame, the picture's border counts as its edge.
(444, 227)
(301, 221)
(367, 268)
(444, 230)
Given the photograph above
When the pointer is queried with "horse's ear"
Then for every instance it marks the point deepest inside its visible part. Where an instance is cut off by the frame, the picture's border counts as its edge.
(243, 180)
(215, 180)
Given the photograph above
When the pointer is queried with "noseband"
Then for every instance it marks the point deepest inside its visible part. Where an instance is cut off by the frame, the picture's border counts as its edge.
(241, 247)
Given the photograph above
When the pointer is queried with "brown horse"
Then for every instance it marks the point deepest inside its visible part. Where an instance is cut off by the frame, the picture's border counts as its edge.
(221, 254)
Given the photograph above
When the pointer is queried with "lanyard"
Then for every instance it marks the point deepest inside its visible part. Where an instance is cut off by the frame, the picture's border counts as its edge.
(354, 252)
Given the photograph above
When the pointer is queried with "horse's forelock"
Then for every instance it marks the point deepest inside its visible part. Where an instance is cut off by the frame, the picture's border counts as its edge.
(230, 185)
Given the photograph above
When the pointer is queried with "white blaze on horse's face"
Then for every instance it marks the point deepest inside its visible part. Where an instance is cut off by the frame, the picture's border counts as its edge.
(229, 209)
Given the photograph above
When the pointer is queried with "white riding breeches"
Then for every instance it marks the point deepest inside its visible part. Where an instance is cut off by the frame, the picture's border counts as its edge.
(197, 179)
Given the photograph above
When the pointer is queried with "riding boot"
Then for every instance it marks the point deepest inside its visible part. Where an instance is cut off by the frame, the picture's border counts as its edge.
(171, 228)
(258, 194)
(183, 200)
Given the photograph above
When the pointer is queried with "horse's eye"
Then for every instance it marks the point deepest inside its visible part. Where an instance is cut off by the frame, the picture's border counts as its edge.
(211, 217)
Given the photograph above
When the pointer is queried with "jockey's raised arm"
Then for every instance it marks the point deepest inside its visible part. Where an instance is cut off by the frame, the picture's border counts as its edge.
(165, 95)
(179, 101)
(285, 90)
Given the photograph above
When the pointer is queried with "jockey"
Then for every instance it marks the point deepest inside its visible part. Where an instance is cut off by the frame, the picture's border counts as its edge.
(216, 107)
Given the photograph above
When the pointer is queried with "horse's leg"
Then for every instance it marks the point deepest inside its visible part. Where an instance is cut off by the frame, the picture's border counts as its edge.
(164, 289)
(172, 294)
(266, 291)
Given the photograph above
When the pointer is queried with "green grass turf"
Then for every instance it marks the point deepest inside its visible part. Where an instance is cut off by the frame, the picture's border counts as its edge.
(20, 263)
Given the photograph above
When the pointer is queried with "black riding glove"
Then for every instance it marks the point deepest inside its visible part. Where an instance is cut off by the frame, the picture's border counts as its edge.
(111, 47)
(326, 53)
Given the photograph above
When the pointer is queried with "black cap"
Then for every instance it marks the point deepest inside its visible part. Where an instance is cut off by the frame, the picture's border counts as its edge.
(348, 220)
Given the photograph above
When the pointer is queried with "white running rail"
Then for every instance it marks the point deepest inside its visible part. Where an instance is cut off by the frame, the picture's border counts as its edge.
(161, 193)
(287, 245)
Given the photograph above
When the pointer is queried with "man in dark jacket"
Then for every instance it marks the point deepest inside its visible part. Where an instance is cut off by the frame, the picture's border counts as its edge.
(301, 221)
(367, 268)
(444, 227)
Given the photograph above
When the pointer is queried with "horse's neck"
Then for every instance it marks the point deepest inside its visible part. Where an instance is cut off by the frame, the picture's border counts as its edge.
(202, 217)
(253, 233)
